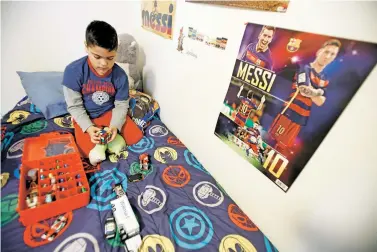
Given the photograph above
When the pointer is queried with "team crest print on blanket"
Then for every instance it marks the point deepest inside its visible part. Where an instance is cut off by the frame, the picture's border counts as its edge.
(158, 131)
(101, 188)
(34, 127)
(152, 200)
(165, 154)
(6, 140)
(232, 241)
(207, 194)
(16, 150)
(151, 242)
(16, 117)
(146, 143)
(240, 219)
(191, 160)
(79, 242)
(191, 227)
(64, 121)
(176, 176)
(8, 208)
(135, 169)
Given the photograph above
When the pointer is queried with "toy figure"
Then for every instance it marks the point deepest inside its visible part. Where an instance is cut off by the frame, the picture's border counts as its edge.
(79, 184)
(144, 161)
(33, 185)
(52, 178)
(78, 176)
(32, 174)
(32, 198)
(180, 40)
(61, 180)
(32, 179)
(66, 166)
(42, 176)
(83, 189)
(48, 198)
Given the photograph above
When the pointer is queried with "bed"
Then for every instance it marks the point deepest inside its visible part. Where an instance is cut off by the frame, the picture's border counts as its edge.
(187, 209)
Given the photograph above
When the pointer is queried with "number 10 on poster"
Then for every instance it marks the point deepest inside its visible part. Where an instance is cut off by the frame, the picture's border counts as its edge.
(271, 163)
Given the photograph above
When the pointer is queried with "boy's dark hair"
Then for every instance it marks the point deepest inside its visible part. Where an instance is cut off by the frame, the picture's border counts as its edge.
(100, 33)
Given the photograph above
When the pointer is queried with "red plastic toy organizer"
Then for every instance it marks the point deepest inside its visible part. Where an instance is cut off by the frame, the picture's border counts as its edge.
(66, 168)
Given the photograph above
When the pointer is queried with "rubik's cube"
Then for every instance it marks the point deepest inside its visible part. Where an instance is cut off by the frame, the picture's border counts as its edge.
(105, 136)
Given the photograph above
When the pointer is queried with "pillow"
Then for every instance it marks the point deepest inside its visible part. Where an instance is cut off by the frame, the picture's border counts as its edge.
(142, 108)
(45, 91)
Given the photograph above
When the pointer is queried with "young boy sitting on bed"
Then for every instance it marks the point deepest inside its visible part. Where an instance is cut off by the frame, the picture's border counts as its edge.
(97, 96)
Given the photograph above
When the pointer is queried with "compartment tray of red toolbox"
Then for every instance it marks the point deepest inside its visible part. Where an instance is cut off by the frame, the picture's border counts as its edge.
(59, 172)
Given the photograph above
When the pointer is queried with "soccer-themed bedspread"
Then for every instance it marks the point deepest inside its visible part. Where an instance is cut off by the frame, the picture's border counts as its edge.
(185, 208)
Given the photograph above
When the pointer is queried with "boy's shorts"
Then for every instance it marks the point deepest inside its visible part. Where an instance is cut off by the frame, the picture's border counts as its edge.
(130, 132)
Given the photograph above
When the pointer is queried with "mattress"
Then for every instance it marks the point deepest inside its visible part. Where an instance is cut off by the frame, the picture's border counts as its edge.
(186, 208)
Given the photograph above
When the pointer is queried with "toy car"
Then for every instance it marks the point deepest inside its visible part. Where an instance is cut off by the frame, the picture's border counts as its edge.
(136, 177)
(125, 218)
(110, 228)
(133, 244)
(118, 189)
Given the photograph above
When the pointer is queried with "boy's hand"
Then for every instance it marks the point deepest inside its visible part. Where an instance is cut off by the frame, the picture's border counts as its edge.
(114, 132)
(94, 134)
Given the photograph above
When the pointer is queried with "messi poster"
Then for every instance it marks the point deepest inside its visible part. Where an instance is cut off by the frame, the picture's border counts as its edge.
(286, 91)
(158, 17)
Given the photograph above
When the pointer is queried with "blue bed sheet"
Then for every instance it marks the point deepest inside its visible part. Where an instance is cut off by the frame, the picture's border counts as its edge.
(179, 205)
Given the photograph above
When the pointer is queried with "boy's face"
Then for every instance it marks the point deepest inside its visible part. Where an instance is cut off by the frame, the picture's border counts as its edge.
(101, 59)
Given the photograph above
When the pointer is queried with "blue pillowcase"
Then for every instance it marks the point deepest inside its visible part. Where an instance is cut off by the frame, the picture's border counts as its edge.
(45, 91)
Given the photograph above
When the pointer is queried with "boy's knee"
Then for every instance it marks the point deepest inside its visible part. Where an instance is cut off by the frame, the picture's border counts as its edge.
(117, 145)
(97, 154)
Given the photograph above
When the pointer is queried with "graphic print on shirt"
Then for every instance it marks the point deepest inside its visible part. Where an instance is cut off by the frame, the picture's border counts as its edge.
(100, 97)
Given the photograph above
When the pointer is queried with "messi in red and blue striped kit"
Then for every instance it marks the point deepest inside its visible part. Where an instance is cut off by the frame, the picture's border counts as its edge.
(258, 53)
(257, 57)
(309, 87)
(246, 106)
(244, 110)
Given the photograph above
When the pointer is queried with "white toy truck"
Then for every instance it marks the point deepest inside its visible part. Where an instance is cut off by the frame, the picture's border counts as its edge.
(126, 222)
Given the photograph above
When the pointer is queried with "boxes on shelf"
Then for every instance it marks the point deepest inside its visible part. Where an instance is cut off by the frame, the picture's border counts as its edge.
(52, 178)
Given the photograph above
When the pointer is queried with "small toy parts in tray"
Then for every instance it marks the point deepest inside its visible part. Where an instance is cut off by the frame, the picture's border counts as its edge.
(50, 185)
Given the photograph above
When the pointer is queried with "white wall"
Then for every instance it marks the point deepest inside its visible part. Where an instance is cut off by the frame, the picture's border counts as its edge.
(332, 206)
